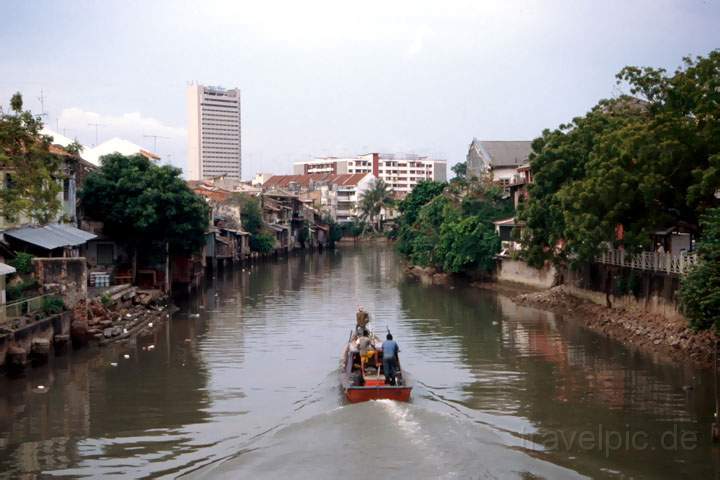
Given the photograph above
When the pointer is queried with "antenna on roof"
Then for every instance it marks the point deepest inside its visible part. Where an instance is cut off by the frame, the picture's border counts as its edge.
(155, 137)
(96, 125)
(42, 104)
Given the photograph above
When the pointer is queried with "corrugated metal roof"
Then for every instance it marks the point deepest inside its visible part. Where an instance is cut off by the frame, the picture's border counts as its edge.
(344, 179)
(6, 269)
(51, 236)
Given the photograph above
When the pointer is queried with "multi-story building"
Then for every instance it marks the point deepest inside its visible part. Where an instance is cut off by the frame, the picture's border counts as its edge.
(214, 133)
(400, 171)
(335, 194)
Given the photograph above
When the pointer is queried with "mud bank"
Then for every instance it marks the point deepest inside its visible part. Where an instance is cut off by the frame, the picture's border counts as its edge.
(669, 339)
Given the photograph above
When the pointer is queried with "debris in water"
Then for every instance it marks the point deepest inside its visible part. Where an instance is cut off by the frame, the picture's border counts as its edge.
(494, 322)
(151, 347)
(187, 340)
(194, 315)
(41, 387)
(150, 324)
(113, 364)
(126, 356)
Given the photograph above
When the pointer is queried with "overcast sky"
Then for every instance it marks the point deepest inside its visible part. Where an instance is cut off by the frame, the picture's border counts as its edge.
(337, 77)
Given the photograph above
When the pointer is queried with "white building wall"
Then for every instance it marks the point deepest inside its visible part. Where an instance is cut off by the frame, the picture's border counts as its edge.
(401, 172)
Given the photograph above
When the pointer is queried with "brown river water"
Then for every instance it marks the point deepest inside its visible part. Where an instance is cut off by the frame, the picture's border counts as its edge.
(243, 382)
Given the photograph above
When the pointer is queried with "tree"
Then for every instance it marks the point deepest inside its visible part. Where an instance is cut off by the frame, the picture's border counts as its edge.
(251, 214)
(700, 290)
(142, 204)
(453, 230)
(33, 179)
(409, 209)
(460, 170)
(641, 162)
(468, 243)
(373, 201)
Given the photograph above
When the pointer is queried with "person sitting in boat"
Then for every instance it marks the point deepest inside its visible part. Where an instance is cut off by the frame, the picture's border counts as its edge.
(362, 318)
(390, 351)
(366, 348)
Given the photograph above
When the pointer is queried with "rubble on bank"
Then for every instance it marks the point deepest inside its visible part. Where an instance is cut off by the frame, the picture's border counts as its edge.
(117, 315)
(427, 275)
(672, 338)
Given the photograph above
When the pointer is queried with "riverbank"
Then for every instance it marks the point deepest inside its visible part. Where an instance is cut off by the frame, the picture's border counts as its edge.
(665, 338)
(120, 313)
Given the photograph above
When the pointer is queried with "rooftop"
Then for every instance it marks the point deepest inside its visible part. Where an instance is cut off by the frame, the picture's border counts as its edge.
(505, 153)
(345, 180)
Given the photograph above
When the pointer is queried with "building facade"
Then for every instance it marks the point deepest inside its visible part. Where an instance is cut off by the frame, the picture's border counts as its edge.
(337, 195)
(214, 132)
(400, 171)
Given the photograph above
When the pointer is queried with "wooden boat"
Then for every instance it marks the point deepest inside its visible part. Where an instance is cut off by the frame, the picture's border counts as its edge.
(362, 382)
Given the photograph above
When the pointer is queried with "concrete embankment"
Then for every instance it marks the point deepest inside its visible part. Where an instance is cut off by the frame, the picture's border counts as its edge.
(121, 313)
(649, 321)
(669, 338)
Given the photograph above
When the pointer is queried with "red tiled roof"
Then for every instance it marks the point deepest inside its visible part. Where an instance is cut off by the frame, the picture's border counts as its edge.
(283, 181)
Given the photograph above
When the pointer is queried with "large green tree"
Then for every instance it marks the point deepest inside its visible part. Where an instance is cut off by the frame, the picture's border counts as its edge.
(631, 165)
(33, 178)
(453, 230)
(145, 205)
(409, 209)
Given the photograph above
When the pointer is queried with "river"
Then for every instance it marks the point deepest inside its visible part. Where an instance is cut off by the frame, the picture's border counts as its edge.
(242, 382)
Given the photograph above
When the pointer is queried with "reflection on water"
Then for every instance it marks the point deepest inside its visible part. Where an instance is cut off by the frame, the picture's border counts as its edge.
(243, 382)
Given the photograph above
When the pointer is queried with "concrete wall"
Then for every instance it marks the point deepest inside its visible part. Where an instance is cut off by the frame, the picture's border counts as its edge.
(44, 329)
(653, 292)
(66, 275)
(517, 271)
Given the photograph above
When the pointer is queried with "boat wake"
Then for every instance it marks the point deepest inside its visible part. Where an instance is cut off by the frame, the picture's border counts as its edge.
(398, 439)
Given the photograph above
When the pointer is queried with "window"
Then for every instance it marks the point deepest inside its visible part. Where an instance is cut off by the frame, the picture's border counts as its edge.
(105, 253)
(66, 189)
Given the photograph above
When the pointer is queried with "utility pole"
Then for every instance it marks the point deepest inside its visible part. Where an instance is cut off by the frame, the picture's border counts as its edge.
(155, 137)
(96, 125)
(42, 104)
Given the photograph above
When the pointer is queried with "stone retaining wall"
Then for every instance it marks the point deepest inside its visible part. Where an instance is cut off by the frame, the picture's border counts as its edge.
(517, 271)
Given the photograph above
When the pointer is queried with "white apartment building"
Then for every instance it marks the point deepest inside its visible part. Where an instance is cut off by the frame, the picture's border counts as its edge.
(214, 132)
(400, 171)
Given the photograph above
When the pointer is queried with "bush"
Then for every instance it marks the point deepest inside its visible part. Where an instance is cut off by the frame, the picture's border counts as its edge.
(17, 291)
(105, 300)
(53, 305)
(22, 263)
(262, 243)
(700, 289)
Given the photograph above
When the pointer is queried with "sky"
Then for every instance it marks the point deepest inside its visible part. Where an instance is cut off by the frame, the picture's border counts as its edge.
(333, 77)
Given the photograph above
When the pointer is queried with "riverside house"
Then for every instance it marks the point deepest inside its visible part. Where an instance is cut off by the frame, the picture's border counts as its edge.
(500, 159)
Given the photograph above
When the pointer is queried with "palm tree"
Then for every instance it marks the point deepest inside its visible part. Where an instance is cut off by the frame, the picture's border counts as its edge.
(377, 197)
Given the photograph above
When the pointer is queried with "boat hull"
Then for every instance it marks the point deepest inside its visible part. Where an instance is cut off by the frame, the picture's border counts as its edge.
(387, 392)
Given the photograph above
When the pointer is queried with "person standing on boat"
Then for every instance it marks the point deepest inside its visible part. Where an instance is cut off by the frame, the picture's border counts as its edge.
(362, 318)
(390, 351)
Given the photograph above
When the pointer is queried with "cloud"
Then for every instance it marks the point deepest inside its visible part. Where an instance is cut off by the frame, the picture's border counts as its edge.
(171, 143)
(80, 123)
